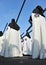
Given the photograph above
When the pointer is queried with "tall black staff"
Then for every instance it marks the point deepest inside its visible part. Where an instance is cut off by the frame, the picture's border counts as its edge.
(5, 28)
(20, 10)
(30, 21)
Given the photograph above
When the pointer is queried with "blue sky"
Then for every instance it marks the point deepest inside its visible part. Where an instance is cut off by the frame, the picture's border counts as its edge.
(10, 8)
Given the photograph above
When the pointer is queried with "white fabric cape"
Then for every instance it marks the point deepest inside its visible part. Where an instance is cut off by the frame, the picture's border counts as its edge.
(11, 44)
(1, 44)
(39, 35)
(27, 46)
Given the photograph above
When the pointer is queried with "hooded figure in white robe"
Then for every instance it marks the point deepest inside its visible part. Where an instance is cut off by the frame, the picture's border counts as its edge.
(39, 31)
(27, 48)
(12, 42)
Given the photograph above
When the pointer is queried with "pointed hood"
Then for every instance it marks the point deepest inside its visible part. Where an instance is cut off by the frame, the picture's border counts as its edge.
(14, 25)
(1, 33)
(39, 10)
(27, 34)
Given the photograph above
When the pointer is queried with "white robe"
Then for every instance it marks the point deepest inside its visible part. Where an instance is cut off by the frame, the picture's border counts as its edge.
(12, 43)
(1, 44)
(27, 48)
(39, 36)
(5, 47)
(36, 38)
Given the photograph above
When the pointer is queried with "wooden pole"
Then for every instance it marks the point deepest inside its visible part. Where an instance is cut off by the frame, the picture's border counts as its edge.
(20, 11)
(5, 27)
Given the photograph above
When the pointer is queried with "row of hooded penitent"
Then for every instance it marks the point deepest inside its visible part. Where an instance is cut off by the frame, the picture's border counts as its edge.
(10, 42)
